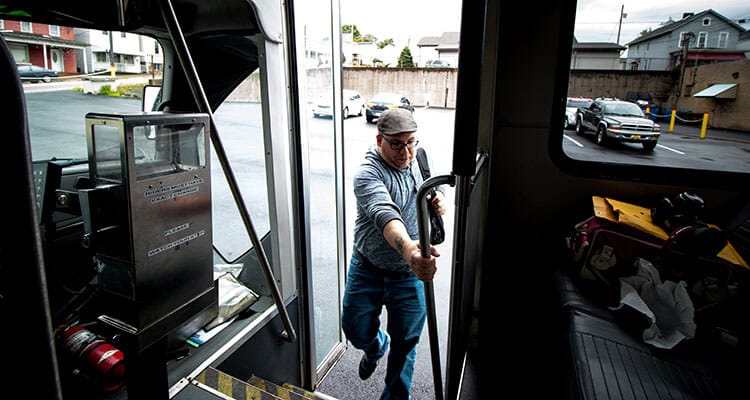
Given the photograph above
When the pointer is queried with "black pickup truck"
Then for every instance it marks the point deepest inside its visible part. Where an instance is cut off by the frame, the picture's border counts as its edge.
(617, 120)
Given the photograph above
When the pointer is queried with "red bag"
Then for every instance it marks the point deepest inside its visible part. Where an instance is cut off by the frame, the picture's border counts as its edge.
(604, 251)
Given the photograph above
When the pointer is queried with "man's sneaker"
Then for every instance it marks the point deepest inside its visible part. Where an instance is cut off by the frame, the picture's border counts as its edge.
(366, 367)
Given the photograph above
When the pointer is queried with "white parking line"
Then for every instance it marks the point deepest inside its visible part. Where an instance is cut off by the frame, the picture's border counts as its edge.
(671, 149)
(573, 140)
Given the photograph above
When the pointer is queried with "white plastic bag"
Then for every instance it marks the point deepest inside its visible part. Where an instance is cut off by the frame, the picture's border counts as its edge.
(666, 304)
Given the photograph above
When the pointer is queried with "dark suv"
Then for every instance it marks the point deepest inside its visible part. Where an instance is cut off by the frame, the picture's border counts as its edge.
(617, 120)
(383, 101)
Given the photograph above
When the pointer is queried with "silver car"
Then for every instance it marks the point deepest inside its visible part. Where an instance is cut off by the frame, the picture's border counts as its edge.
(353, 104)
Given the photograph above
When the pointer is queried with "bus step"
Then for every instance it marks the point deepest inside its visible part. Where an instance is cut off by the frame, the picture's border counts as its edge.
(287, 391)
(232, 387)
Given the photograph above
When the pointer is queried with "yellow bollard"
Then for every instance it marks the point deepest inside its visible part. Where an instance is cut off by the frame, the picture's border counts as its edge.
(671, 121)
(112, 70)
(705, 124)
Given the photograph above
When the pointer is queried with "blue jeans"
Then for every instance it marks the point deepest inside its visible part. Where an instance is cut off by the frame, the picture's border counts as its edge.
(403, 297)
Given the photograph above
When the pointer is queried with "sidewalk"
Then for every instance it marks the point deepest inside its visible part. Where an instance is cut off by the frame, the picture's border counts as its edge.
(694, 130)
(90, 85)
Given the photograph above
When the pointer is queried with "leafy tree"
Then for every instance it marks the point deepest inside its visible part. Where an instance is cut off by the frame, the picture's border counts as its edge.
(386, 42)
(368, 38)
(404, 59)
(351, 29)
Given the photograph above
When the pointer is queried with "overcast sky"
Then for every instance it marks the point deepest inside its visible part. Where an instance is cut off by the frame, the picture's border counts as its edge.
(407, 21)
(598, 20)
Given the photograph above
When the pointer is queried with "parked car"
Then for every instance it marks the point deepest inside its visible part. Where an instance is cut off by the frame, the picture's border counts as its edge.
(618, 120)
(571, 108)
(383, 101)
(35, 73)
(437, 64)
(643, 99)
(353, 104)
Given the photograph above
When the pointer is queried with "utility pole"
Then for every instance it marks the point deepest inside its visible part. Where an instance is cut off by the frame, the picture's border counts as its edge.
(685, 44)
(619, 27)
(111, 56)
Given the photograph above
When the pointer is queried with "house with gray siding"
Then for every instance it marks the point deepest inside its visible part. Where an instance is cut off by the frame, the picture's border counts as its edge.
(443, 47)
(744, 43)
(704, 37)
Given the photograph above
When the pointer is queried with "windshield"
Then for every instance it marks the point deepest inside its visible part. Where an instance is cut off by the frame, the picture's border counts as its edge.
(624, 109)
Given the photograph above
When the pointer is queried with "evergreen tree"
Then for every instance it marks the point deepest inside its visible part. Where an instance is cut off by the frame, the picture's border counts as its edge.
(404, 59)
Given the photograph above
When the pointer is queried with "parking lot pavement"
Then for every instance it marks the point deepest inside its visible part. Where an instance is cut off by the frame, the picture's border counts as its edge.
(694, 130)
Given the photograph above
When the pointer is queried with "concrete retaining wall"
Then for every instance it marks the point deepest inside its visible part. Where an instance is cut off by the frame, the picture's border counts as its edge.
(436, 87)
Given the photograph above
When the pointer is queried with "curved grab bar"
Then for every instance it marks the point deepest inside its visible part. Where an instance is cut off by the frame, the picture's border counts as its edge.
(423, 223)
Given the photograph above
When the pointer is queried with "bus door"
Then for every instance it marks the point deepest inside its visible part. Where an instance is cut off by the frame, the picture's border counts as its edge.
(317, 74)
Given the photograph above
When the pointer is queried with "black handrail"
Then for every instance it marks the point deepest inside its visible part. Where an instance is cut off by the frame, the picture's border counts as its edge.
(423, 223)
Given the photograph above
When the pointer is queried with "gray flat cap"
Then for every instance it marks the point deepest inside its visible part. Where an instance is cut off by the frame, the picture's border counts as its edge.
(395, 121)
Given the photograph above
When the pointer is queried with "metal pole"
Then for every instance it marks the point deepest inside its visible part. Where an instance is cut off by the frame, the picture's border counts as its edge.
(183, 53)
(111, 56)
(423, 223)
(619, 27)
(685, 43)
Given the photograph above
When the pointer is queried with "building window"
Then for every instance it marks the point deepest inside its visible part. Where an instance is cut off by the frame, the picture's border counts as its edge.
(702, 39)
(723, 39)
(54, 30)
(26, 26)
(706, 21)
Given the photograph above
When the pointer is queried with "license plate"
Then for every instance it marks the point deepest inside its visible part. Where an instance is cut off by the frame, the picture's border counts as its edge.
(636, 136)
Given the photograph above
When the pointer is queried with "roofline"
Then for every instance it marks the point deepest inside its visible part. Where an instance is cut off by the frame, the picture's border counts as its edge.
(665, 29)
(22, 37)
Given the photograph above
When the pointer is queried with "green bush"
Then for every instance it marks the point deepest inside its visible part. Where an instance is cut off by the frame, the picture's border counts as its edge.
(106, 90)
(134, 90)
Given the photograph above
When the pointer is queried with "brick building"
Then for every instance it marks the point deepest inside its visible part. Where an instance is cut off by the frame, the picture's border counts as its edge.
(49, 46)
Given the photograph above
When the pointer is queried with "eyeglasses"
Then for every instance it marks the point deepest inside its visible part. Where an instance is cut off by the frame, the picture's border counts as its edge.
(400, 145)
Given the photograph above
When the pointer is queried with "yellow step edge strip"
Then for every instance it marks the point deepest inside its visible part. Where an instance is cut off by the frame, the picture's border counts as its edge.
(231, 386)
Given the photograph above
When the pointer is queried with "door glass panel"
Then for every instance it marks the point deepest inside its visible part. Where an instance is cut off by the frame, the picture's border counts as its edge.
(318, 122)
(239, 123)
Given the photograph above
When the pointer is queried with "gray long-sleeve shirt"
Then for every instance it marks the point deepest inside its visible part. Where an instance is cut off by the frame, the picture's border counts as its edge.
(384, 193)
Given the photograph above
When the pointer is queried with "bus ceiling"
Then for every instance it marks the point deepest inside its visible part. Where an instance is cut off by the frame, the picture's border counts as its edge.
(251, 16)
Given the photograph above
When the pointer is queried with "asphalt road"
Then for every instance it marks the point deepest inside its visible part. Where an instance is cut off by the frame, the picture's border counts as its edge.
(718, 149)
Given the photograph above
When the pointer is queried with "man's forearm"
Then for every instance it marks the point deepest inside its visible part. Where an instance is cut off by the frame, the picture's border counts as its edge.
(396, 235)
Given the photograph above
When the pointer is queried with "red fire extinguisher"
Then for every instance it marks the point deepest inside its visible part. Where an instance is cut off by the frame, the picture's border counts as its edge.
(106, 361)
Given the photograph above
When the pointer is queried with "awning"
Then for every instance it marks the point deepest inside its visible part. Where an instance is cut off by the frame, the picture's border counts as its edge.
(719, 91)
(716, 57)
